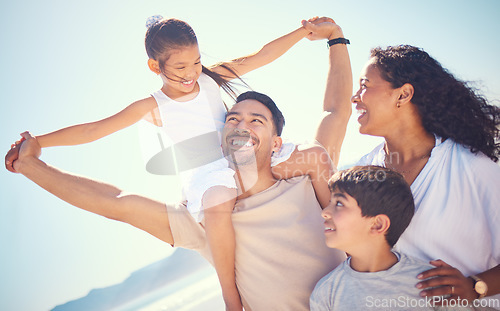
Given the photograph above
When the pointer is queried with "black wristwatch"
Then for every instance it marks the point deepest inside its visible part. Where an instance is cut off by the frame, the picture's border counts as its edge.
(337, 41)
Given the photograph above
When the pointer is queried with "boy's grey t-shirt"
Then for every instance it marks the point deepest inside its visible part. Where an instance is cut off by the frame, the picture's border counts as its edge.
(392, 289)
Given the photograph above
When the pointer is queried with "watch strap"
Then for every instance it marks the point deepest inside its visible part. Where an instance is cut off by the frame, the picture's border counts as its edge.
(338, 41)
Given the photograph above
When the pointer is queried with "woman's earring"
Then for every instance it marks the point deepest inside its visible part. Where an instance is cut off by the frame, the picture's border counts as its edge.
(398, 105)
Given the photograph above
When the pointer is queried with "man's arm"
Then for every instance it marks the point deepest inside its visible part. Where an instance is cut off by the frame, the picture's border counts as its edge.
(315, 160)
(337, 101)
(93, 196)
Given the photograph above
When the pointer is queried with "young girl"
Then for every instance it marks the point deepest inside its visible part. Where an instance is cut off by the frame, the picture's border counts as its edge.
(190, 110)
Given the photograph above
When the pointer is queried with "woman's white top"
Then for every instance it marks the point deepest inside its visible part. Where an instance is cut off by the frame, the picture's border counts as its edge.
(457, 208)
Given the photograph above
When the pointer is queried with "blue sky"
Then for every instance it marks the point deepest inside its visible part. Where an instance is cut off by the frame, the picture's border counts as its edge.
(67, 62)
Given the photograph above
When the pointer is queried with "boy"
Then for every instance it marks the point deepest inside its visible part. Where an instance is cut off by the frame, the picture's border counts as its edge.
(371, 206)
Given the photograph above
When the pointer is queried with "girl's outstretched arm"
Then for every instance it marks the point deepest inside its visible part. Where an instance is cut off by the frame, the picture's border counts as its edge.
(88, 132)
(264, 56)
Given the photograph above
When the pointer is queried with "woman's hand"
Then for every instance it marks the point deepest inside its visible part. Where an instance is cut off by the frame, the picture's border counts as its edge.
(447, 280)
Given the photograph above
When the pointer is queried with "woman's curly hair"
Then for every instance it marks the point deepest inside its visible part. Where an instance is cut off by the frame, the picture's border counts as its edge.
(448, 107)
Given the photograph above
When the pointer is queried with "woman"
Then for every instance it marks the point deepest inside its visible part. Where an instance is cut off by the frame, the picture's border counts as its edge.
(443, 138)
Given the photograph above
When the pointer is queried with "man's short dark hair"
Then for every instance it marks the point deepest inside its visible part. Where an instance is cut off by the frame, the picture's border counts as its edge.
(278, 119)
(378, 190)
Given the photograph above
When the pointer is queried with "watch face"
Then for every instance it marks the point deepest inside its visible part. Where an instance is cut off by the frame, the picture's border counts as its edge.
(481, 287)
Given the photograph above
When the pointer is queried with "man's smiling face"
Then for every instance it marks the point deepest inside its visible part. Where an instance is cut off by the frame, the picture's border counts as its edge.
(249, 135)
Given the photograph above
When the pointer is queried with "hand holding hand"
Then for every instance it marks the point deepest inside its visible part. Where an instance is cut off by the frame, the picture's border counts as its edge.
(318, 20)
(447, 280)
(322, 28)
(28, 147)
(12, 155)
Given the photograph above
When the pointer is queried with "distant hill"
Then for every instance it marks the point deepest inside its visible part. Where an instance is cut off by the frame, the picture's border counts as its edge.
(146, 285)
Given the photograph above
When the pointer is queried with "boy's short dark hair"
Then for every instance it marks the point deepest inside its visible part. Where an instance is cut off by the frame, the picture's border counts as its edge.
(278, 118)
(378, 190)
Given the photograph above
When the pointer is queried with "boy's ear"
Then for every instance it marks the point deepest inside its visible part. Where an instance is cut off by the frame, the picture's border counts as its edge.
(381, 224)
(154, 66)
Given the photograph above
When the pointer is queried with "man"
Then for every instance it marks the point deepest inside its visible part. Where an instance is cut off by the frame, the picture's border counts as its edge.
(280, 248)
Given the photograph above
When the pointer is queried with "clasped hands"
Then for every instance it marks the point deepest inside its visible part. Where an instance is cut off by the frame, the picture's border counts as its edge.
(26, 147)
(322, 28)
